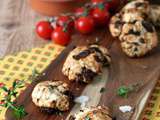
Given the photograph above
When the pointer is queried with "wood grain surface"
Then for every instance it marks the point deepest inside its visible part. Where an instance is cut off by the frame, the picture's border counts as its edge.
(123, 71)
(17, 34)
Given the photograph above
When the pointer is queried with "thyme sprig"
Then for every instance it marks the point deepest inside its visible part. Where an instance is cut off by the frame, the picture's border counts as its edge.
(10, 93)
(124, 91)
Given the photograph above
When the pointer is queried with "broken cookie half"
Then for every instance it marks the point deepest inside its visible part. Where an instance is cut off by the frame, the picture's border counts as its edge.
(50, 96)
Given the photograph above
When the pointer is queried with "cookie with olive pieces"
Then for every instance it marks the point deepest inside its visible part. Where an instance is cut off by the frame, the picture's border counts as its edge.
(133, 11)
(51, 95)
(141, 6)
(85, 62)
(93, 113)
(119, 20)
(138, 38)
(131, 17)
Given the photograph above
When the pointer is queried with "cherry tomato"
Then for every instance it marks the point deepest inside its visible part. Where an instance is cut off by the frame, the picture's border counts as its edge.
(107, 6)
(44, 29)
(101, 16)
(65, 19)
(97, 1)
(114, 4)
(84, 24)
(80, 11)
(60, 36)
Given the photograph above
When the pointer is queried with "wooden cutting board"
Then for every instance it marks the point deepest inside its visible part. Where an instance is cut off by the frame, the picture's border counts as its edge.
(123, 71)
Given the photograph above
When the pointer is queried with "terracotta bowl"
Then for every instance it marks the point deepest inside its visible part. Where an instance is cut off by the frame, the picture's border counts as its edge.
(55, 7)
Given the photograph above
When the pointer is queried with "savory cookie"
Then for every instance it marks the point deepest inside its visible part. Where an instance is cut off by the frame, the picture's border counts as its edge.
(138, 38)
(118, 20)
(84, 62)
(51, 95)
(133, 11)
(134, 47)
(93, 113)
(115, 25)
(137, 35)
(130, 17)
(141, 6)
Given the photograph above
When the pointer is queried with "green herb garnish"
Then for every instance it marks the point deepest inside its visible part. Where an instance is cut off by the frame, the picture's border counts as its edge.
(10, 93)
(18, 111)
(123, 91)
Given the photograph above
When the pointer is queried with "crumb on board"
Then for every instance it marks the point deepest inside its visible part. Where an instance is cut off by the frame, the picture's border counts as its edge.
(82, 100)
(125, 108)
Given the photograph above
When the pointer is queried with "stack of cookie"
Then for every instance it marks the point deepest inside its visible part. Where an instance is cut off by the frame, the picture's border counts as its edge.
(132, 26)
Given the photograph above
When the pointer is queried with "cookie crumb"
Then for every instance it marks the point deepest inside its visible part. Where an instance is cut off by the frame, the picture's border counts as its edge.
(125, 108)
(82, 100)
